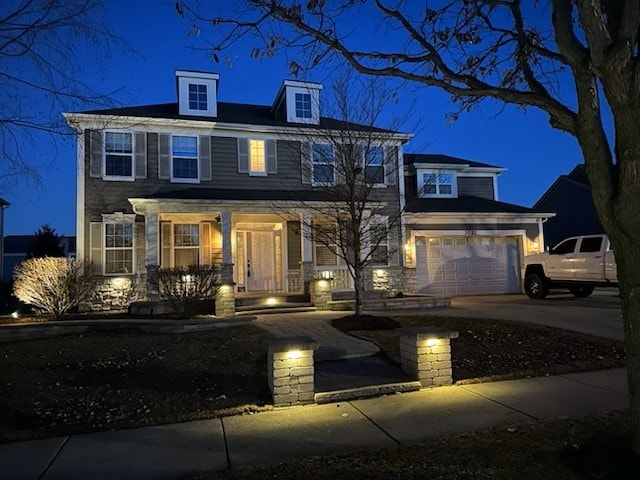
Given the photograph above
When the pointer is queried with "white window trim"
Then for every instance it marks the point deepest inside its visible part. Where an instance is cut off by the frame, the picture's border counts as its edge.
(454, 184)
(313, 166)
(295, 105)
(132, 248)
(264, 150)
(183, 94)
(382, 184)
(178, 179)
(191, 247)
(379, 219)
(118, 178)
(291, 90)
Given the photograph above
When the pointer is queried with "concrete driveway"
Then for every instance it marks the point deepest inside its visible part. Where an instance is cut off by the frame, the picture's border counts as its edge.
(600, 314)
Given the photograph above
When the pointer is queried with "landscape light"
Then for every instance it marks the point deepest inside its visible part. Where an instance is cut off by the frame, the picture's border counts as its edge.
(293, 354)
(272, 301)
(15, 314)
(432, 342)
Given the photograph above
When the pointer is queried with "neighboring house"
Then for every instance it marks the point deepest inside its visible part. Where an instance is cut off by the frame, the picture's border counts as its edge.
(3, 204)
(460, 238)
(570, 197)
(16, 248)
(214, 183)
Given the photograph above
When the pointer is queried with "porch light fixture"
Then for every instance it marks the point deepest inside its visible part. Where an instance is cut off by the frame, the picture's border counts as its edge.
(432, 342)
(407, 247)
(293, 354)
(271, 301)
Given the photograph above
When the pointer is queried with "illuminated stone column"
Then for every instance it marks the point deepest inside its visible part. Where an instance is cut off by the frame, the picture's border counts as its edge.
(227, 257)
(225, 301)
(152, 260)
(290, 370)
(320, 293)
(425, 354)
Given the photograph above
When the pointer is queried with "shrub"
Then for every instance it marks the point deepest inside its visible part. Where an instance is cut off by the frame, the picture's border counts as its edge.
(186, 288)
(54, 286)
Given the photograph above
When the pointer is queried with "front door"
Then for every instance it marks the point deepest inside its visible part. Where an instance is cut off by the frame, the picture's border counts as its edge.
(260, 269)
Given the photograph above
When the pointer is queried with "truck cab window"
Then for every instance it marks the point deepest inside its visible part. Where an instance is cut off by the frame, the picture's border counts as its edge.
(590, 244)
(568, 246)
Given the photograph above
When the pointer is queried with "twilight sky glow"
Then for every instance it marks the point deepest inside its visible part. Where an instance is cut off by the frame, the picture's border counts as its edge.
(522, 142)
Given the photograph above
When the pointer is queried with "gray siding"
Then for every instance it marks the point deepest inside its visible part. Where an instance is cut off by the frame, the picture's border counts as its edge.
(111, 196)
(476, 186)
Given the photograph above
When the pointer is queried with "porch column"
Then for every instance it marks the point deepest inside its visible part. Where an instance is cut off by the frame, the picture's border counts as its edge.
(227, 258)
(151, 254)
(307, 250)
(225, 295)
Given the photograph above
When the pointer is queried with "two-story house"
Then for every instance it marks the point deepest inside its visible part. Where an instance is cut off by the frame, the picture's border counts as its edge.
(206, 182)
(460, 239)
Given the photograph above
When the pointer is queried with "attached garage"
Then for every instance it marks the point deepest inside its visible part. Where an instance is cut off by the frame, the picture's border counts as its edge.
(467, 265)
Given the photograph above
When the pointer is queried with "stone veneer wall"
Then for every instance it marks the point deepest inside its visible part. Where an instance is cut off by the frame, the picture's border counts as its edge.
(116, 293)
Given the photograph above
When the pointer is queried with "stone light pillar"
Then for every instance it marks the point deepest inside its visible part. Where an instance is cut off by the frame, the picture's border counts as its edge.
(320, 293)
(290, 370)
(425, 354)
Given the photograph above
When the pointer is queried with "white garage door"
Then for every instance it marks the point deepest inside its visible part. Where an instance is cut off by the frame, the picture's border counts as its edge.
(467, 265)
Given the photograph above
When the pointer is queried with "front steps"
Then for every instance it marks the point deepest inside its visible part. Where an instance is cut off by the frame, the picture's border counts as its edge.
(267, 303)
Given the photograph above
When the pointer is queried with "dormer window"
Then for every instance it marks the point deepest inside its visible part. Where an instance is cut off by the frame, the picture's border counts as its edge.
(437, 184)
(298, 102)
(197, 92)
(198, 97)
(303, 105)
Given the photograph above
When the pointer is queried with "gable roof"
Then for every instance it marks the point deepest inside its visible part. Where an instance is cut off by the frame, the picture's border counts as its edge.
(239, 113)
(469, 204)
(577, 177)
(413, 158)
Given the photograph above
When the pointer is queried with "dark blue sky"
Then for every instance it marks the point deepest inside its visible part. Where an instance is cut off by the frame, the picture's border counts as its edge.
(524, 143)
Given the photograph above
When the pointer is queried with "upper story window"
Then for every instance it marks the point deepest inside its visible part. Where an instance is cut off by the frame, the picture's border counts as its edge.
(118, 157)
(257, 164)
(437, 184)
(323, 164)
(118, 248)
(374, 165)
(379, 242)
(185, 158)
(303, 105)
(198, 96)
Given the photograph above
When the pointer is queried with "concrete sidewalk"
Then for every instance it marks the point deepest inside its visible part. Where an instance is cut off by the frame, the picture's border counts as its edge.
(172, 451)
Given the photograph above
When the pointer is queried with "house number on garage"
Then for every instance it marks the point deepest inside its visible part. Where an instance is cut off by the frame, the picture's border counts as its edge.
(469, 232)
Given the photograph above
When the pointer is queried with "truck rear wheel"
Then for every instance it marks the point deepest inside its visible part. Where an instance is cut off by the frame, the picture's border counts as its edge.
(581, 291)
(535, 286)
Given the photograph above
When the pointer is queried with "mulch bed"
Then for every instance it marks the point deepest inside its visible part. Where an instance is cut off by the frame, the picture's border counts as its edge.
(593, 447)
(122, 378)
(496, 349)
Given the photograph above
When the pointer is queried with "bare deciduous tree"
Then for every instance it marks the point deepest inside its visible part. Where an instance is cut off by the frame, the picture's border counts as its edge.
(572, 59)
(54, 285)
(354, 170)
(45, 47)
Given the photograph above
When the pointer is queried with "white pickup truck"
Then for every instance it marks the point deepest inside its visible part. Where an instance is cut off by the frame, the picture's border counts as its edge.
(577, 263)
